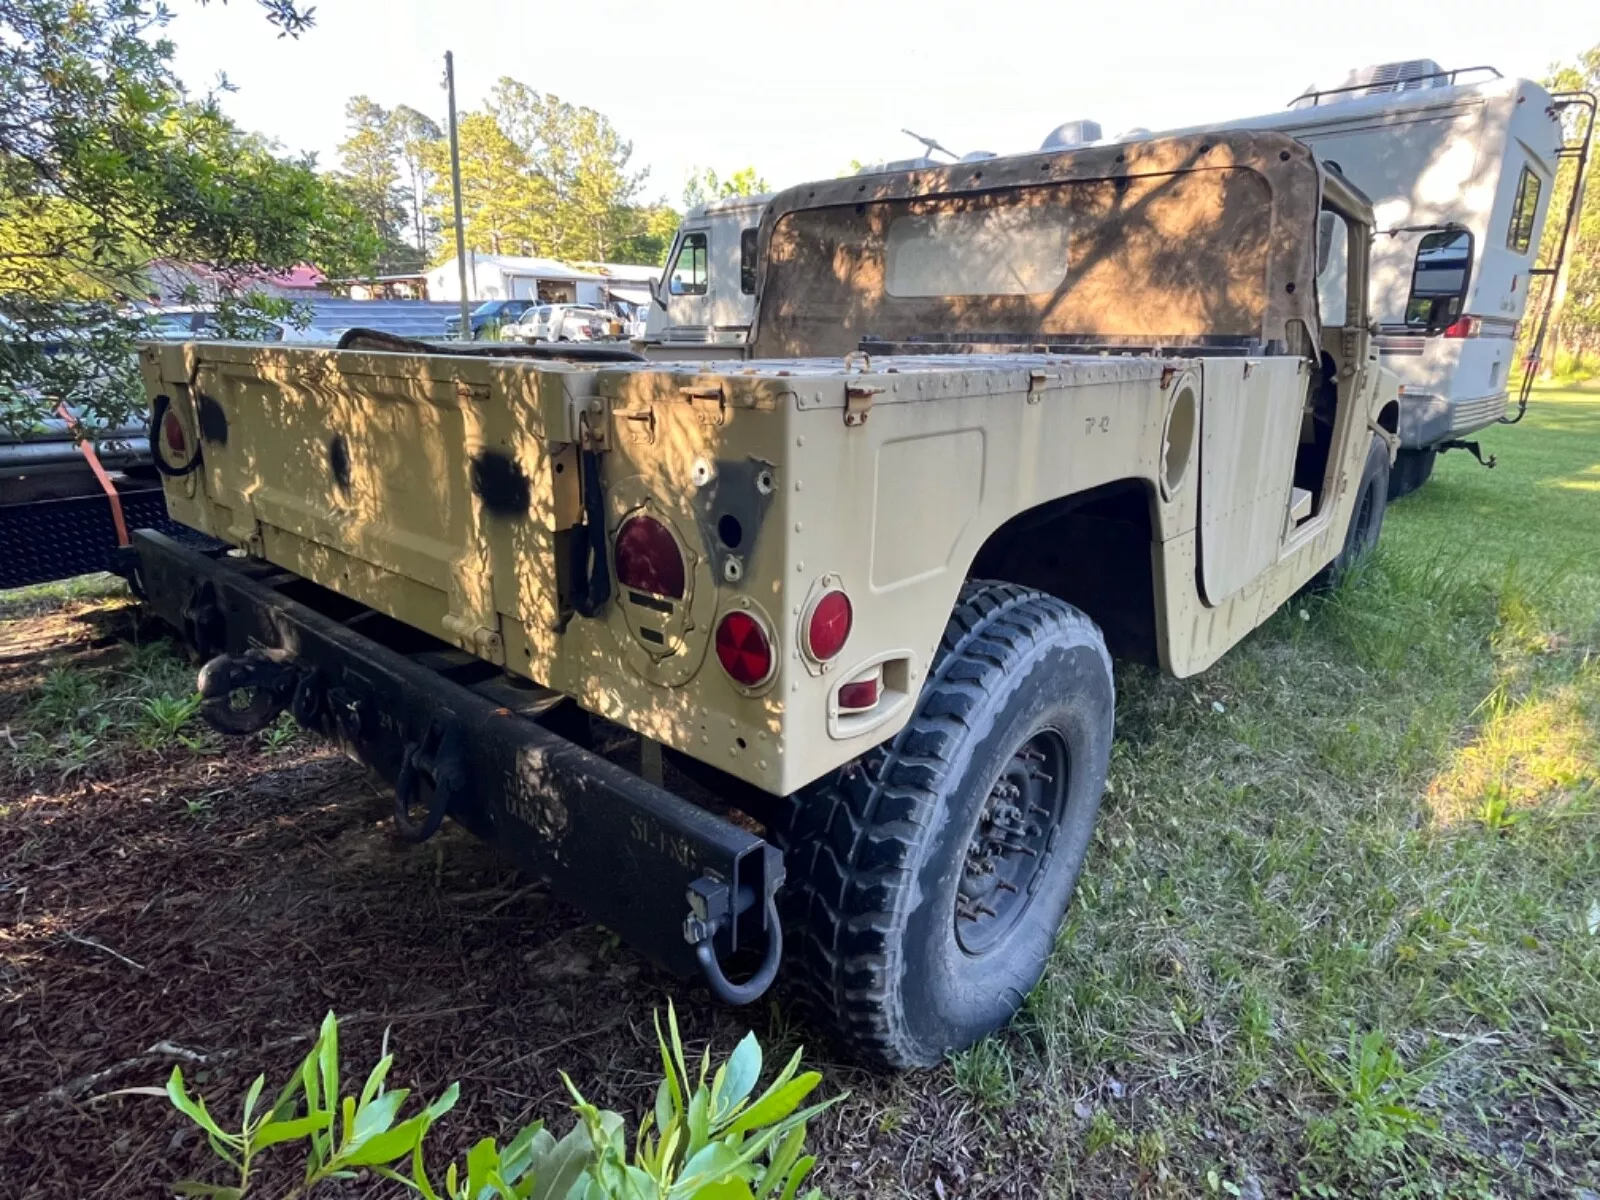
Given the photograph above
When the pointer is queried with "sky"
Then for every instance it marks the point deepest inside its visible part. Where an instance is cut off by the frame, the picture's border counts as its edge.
(799, 90)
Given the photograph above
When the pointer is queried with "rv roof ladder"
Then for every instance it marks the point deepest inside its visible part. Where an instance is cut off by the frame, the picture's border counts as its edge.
(1576, 150)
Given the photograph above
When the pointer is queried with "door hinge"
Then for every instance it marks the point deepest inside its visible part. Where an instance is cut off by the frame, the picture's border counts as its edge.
(1040, 382)
(710, 406)
(858, 402)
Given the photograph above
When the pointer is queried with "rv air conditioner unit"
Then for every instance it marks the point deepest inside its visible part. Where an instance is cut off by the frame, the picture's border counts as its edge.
(1413, 74)
(1072, 134)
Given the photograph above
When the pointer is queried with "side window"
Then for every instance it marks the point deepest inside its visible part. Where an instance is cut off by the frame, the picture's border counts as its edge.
(1439, 280)
(1333, 268)
(688, 274)
(747, 261)
(1520, 234)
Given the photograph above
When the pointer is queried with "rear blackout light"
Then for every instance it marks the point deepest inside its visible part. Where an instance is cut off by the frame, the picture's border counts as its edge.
(744, 649)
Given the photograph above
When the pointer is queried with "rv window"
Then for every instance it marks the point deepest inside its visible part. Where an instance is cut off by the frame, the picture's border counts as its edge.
(688, 273)
(747, 261)
(1439, 280)
(1527, 203)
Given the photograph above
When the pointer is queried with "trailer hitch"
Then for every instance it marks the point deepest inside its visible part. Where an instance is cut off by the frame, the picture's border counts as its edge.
(1472, 448)
(243, 694)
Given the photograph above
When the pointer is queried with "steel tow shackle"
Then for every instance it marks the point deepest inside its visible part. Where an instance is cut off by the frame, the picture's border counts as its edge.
(437, 760)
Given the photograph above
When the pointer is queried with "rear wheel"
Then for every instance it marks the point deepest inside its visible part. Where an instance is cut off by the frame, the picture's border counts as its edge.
(1411, 470)
(927, 879)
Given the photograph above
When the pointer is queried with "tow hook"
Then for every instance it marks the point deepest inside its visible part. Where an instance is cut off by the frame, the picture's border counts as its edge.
(438, 761)
(1471, 447)
(271, 679)
(710, 911)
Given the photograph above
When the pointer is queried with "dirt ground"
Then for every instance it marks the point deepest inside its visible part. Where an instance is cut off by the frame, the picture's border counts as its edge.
(205, 909)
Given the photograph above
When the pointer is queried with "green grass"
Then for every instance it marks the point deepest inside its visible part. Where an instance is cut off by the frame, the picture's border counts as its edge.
(41, 597)
(1340, 913)
(85, 719)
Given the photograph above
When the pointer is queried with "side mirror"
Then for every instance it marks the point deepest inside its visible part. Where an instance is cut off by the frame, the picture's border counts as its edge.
(655, 293)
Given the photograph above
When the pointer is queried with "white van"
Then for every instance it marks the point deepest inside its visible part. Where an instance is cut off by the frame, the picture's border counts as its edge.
(706, 298)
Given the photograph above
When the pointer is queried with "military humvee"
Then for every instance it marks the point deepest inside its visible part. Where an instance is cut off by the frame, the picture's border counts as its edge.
(1000, 422)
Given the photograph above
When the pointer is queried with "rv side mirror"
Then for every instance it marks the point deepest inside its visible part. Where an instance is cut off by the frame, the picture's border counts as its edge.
(655, 293)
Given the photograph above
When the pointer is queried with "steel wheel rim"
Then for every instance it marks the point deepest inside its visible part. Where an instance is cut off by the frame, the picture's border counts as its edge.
(1012, 842)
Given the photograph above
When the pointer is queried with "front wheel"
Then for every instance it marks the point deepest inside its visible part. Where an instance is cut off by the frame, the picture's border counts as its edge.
(928, 879)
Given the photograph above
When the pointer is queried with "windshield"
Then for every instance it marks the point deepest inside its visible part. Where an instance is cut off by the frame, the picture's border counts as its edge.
(488, 308)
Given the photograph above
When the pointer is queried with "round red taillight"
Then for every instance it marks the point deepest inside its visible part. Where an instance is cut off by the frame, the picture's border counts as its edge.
(744, 649)
(172, 429)
(648, 558)
(829, 626)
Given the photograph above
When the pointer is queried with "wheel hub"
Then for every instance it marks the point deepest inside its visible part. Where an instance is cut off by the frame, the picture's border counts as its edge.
(1011, 844)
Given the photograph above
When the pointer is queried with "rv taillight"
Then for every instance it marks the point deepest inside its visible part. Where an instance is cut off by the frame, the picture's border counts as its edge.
(648, 558)
(1462, 327)
(744, 649)
(828, 626)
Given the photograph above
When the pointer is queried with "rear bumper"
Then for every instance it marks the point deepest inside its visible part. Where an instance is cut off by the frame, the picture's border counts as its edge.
(674, 879)
(1427, 419)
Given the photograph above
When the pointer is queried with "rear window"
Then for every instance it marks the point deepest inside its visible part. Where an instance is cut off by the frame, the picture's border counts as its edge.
(1520, 234)
(1005, 251)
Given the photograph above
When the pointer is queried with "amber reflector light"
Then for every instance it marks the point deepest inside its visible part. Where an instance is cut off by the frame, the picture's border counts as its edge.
(648, 558)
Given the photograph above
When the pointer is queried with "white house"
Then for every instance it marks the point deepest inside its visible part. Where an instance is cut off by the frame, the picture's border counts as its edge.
(627, 282)
(513, 276)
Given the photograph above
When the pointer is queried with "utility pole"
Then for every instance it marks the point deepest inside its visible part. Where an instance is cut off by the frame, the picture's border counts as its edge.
(455, 192)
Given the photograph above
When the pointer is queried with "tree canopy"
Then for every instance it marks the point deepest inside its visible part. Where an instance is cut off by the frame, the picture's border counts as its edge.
(705, 186)
(109, 167)
(540, 176)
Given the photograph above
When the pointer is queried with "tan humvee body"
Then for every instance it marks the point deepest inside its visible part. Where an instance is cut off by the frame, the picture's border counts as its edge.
(438, 489)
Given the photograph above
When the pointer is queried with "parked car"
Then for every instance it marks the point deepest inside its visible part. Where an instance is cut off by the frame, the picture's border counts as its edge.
(491, 318)
(559, 323)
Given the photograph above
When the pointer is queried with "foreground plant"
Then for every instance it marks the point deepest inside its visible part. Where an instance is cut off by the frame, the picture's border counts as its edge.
(701, 1142)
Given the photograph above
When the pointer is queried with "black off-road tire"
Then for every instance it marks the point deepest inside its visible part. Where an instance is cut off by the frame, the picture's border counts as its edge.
(1412, 469)
(879, 854)
(1366, 519)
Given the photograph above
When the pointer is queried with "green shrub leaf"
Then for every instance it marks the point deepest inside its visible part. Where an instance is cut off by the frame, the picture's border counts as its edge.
(274, 1132)
(736, 1080)
(777, 1103)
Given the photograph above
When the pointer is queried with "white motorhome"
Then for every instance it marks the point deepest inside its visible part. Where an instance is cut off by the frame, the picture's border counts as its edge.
(1460, 166)
(706, 298)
